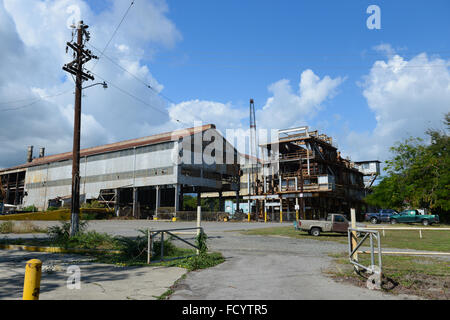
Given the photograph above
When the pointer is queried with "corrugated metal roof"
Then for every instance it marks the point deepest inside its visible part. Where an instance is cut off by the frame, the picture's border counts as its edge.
(127, 144)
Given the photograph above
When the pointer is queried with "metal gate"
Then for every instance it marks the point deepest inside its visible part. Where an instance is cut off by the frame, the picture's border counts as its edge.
(358, 236)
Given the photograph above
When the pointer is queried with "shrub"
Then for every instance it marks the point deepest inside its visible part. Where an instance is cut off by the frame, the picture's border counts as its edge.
(201, 242)
(62, 232)
(31, 208)
(60, 235)
(94, 204)
(133, 248)
(169, 248)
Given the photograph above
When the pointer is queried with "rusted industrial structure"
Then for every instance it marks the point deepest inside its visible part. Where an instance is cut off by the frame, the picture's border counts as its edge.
(303, 175)
(145, 174)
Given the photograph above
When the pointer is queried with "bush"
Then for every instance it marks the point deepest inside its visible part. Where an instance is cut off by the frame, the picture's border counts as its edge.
(201, 242)
(61, 233)
(132, 248)
(169, 248)
(31, 208)
(94, 204)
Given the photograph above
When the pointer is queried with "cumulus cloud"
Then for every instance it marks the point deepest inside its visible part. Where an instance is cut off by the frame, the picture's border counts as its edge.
(34, 33)
(223, 114)
(287, 108)
(407, 97)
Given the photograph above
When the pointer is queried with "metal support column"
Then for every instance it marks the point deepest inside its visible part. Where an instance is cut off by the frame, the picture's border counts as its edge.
(135, 200)
(157, 200)
(221, 203)
(116, 201)
(177, 199)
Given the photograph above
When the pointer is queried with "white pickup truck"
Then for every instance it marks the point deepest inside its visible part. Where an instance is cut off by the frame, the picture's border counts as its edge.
(335, 223)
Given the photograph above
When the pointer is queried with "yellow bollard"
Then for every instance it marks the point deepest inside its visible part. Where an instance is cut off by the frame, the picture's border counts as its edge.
(32, 282)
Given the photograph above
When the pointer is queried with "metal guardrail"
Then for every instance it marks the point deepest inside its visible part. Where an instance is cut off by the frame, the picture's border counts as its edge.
(420, 229)
(374, 269)
(171, 232)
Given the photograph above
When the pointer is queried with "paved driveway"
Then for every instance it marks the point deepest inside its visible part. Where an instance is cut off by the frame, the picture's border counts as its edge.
(256, 267)
(271, 268)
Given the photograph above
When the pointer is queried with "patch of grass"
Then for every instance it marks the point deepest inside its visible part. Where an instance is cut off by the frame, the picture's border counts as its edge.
(170, 291)
(401, 239)
(19, 228)
(422, 276)
(134, 253)
(61, 215)
(166, 294)
(133, 250)
(6, 227)
(292, 233)
(59, 236)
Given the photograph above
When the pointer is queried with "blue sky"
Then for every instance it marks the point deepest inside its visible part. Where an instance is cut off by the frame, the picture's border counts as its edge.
(258, 42)
(216, 55)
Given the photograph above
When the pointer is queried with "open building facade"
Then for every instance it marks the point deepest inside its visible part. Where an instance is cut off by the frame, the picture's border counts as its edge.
(147, 176)
(302, 174)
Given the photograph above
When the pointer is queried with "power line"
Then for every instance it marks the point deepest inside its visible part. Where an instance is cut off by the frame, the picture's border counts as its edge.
(31, 103)
(137, 98)
(141, 81)
(293, 55)
(136, 77)
(331, 67)
(114, 33)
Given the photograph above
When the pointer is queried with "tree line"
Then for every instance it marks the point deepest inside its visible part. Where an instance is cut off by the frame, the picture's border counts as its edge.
(418, 175)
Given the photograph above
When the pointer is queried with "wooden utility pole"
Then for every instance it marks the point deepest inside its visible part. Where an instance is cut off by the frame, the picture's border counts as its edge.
(75, 67)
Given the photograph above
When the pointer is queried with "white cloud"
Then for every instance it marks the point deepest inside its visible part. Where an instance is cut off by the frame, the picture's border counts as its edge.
(34, 33)
(224, 115)
(407, 97)
(287, 108)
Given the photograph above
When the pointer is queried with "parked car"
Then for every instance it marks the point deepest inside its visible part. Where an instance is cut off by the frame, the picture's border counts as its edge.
(381, 216)
(414, 216)
(334, 223)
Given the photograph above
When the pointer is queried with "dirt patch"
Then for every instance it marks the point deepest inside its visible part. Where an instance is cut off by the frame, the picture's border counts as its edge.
(422, 285)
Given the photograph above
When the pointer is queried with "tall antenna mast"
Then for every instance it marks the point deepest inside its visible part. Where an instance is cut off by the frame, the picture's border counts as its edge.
(253, 149)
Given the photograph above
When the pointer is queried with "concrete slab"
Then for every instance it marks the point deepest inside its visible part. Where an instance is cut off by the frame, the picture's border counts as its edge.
(97, 281)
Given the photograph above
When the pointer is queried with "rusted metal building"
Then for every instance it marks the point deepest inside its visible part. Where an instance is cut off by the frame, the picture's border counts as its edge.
(304, 175)
(144, 174)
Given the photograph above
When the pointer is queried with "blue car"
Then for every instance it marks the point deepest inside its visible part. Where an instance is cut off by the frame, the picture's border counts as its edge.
(383, 215)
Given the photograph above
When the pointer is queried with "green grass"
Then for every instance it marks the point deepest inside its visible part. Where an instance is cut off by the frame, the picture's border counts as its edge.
(401, 239)
(133, 251)
(422, 276)
(170, 291)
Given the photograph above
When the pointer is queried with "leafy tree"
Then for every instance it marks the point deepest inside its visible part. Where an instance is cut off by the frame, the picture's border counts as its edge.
(418, 175)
